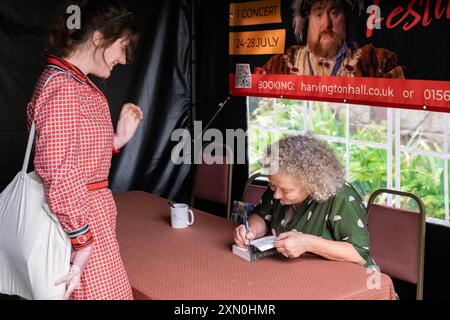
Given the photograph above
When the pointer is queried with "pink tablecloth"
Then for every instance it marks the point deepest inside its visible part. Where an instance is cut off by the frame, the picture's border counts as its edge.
(197, 262)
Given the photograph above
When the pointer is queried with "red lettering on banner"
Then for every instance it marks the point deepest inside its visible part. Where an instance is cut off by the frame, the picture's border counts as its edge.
(392, 15)
(438, 14)
(398, 93)
(412, 10)
(417, 16)
(426, 16)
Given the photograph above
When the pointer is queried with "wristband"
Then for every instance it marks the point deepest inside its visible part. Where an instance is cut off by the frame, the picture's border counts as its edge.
(81, 238)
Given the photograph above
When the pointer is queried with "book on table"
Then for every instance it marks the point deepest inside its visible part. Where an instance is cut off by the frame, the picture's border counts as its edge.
(258, 249)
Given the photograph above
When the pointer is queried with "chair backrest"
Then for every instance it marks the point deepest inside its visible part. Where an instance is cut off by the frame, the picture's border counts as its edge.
(213, 179)
(253, 192)
(397, 239)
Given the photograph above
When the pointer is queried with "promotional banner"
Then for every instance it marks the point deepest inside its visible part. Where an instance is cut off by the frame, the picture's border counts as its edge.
(392, 53)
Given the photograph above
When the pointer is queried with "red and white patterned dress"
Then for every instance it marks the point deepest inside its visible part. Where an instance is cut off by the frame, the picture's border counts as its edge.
(74, 144)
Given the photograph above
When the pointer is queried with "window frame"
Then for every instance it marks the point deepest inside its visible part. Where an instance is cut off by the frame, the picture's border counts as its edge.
(392, 146)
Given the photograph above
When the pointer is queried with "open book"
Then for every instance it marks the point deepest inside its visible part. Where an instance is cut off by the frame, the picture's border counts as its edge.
(258, 249)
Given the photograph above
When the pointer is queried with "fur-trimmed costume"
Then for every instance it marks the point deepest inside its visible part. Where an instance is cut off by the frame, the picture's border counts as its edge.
(367, 61)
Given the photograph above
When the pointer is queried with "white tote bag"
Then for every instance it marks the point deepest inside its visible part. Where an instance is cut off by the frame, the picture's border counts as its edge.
(34, 249)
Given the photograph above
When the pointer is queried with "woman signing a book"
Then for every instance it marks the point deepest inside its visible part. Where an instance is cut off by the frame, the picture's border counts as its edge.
(308, 205)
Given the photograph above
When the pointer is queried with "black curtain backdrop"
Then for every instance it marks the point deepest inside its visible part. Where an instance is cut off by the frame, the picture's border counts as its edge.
(158, 80)
(212, 38)
(21, 35)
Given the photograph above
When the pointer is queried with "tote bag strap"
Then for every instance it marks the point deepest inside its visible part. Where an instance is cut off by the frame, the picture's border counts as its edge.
(26, 160)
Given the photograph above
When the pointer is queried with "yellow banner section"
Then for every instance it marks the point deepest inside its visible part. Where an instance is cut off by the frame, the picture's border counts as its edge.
(257, 42)
(255, 12)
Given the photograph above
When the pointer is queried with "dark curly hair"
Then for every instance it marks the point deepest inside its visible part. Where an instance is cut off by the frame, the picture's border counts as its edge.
(302, 8)
(109, 17)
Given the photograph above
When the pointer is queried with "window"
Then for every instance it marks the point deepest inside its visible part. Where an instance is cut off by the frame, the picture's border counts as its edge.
(399, 149)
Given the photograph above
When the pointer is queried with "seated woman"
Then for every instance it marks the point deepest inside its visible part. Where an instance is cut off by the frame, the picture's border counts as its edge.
(309, 206)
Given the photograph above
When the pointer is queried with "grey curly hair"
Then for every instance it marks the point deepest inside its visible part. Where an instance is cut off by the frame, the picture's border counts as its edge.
(311, 161)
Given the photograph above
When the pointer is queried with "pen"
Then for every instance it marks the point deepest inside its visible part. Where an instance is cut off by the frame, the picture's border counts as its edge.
(245, 220)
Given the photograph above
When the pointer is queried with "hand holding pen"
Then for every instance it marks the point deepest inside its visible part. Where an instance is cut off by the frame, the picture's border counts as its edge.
(243, 234)
(245, 220)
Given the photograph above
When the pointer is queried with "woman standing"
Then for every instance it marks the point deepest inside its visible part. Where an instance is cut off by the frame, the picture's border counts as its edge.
(75, 142)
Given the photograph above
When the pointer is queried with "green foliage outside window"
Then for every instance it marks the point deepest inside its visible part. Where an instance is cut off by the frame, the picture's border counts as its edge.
(419, 174)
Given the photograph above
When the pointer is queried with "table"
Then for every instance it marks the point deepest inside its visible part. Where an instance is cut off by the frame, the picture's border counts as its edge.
(197, 262)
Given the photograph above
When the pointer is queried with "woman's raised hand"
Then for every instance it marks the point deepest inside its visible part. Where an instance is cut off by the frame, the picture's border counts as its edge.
(130, 117)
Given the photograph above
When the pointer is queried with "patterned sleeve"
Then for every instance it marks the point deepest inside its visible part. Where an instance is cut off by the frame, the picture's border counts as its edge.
(265, 206)
(348, 222)
(57, 118)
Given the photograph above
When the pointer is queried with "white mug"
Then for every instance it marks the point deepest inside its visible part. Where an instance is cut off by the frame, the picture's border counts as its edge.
(179, 216)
